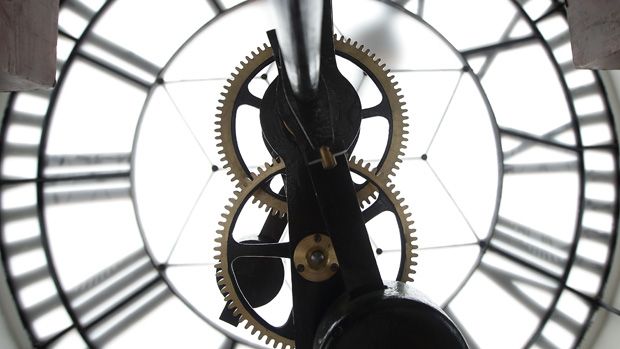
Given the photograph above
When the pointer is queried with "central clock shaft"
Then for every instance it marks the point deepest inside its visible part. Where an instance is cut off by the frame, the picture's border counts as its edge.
(299, 24)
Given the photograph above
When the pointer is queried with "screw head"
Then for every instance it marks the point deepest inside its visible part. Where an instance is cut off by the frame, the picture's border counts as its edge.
(316, 259)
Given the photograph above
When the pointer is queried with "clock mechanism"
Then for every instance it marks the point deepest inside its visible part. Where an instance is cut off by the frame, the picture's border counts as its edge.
(236, 94)
(250, 273)
(235, 289)
(151, 199)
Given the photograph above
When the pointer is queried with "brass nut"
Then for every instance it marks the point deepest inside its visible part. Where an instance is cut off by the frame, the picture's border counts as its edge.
(328, 161)
(315, 258)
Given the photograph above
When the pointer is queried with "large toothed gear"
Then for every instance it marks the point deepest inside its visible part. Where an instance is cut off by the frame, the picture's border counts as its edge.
(228, 250)
(237, 94)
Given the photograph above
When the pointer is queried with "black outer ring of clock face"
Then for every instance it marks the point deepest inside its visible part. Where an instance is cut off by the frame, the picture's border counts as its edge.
(585, 174)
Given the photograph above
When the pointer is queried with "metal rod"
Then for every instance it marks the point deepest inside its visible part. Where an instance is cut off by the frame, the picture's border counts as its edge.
(298, 27)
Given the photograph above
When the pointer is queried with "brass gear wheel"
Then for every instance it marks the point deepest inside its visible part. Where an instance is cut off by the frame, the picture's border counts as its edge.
(237, 93)
(226, 279)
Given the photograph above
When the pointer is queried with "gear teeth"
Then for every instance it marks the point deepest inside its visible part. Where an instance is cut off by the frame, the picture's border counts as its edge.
(377, 178)
(224, 277)
(277, 213)
(250, 67)
(222, 264)
(387, 82)
(408, 233)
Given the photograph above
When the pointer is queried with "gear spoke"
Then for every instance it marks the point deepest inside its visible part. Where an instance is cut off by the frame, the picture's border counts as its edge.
(231, 252)
(258, 249)
(247, 98)
(381, 109)
(381, 205)
(237, 93)
(273, 228)
(243, 290)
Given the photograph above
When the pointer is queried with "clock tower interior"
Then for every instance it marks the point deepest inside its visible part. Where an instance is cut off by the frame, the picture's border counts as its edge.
(273, 173)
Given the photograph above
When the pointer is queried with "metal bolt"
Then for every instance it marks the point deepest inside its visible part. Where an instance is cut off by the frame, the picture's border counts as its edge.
(300, 268)
(334, 267)
(316, 259)
(328, 160)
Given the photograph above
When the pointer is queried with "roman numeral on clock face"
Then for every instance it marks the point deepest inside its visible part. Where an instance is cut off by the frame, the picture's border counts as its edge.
(111, 300)
(99, 51)
(75, 178)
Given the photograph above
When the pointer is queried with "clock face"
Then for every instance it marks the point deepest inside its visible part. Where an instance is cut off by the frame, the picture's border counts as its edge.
(113, 185)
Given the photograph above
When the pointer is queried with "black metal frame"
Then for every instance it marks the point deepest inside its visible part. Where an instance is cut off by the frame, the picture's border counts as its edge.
(594, 302)
(40, 180)
(496, 132)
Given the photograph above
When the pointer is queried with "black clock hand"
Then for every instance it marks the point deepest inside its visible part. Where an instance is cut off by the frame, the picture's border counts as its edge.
(293, 128)
(310, 299)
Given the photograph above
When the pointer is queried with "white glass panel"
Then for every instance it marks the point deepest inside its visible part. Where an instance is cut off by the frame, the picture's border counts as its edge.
(96, 113)
(502, 306)
(153, 29)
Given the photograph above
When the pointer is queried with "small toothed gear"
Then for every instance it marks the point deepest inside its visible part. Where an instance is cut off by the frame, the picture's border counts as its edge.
(238, 94)
(227, 247)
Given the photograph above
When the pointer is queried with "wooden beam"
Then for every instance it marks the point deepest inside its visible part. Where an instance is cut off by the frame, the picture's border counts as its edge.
(595, 33)
(28, 36)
